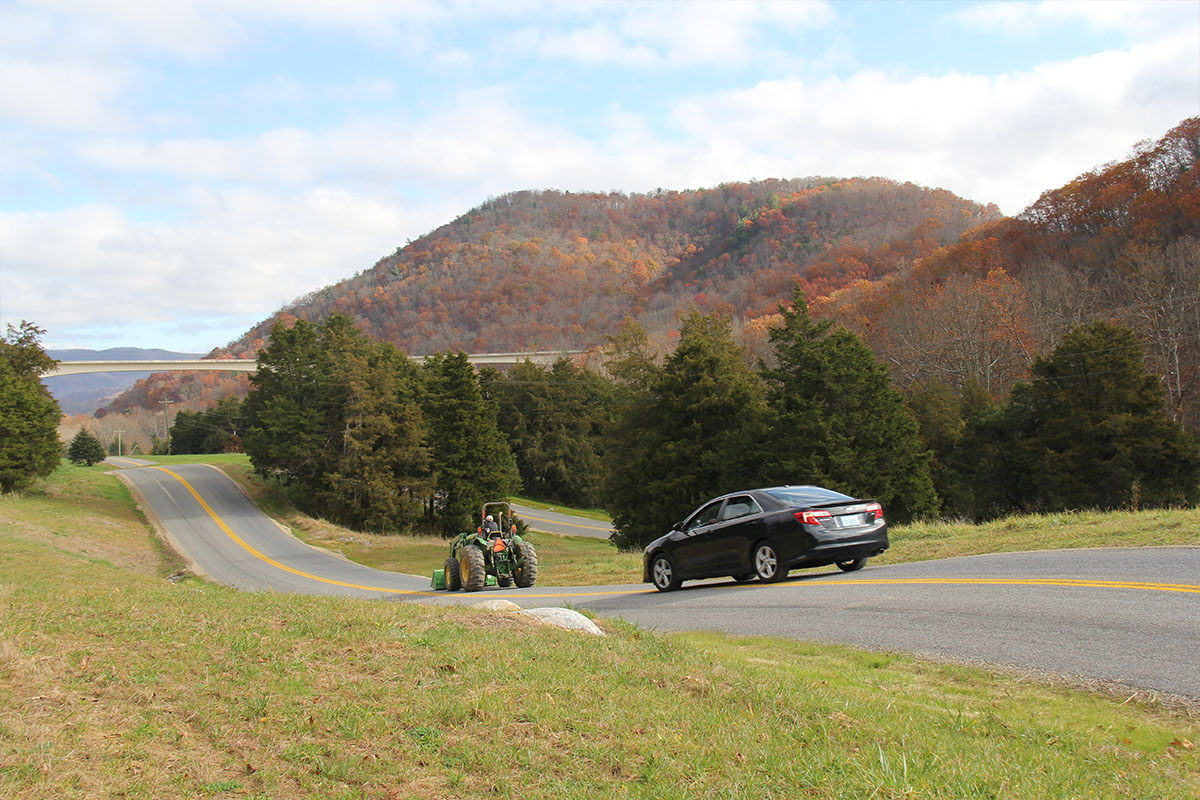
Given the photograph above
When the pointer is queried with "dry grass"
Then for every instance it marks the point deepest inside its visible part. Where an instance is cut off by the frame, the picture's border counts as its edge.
(117, 683)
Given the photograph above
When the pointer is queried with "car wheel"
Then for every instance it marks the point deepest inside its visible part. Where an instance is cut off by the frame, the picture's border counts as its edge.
(744, 577)
(663, 574)
(766, 563)
(474, 573)
(852, 566)
(453, 575)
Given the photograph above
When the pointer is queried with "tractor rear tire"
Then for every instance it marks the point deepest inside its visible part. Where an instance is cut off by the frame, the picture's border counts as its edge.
(474, 572)
(526, 574)
(453, 575)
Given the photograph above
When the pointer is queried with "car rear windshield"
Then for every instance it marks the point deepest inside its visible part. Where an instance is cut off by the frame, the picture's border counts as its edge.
(807, 495)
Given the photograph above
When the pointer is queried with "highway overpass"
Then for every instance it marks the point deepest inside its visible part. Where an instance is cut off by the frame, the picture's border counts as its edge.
(251, 365)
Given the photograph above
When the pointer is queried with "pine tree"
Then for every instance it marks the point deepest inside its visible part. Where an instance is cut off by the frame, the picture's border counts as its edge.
(1091, 429)
(287, 409)
(552, 417)
(380, 476)
(29, 415)
(836, 420)
(687, 433)
(472, 462)
(85, 448)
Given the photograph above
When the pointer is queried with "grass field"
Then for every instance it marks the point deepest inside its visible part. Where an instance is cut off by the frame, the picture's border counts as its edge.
(115, 682)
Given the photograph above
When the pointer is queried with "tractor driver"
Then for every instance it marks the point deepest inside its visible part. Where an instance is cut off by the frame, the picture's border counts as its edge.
(490, 526)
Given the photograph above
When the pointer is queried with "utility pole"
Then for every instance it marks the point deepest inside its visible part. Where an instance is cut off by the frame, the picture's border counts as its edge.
(167, 415)
(120, 451)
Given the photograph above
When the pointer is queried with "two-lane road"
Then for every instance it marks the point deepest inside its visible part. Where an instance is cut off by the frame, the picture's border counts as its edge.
(1129, 616)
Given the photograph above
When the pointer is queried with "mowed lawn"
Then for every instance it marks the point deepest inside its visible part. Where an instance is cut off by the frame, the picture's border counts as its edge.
(116, 681)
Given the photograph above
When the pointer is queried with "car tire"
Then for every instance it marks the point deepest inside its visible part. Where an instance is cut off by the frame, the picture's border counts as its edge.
(852, 566)
(766, 563)
(663, 574)
(474, 573)
(453, 575)
(526, 574)
(745, 577)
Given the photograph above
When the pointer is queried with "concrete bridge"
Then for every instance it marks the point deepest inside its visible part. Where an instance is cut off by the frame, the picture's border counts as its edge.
(251, 365)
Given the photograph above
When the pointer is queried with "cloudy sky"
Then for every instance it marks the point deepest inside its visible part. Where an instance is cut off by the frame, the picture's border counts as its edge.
(173, 171)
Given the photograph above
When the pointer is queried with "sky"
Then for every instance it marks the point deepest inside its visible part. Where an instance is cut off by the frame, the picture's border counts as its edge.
(174, 171)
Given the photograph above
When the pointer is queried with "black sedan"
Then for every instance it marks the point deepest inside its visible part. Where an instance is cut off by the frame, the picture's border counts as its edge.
(763, 533)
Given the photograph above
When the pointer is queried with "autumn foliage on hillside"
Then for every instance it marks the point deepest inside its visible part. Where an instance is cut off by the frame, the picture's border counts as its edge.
(1119, 243)
(556, 270)
(943, 290)
(560, 271)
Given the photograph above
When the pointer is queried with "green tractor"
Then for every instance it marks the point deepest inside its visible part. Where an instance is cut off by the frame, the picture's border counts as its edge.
(491, 555)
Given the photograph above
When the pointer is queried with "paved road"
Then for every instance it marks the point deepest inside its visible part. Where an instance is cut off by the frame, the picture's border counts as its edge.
(1130, 616)
(540, 519)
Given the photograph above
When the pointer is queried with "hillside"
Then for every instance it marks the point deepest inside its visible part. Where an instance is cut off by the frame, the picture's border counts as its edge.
(945, 291)
(1121, 242)
(559, 270)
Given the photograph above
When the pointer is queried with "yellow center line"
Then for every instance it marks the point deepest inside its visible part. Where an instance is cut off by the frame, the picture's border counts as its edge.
(229, 532)
(1084, 583)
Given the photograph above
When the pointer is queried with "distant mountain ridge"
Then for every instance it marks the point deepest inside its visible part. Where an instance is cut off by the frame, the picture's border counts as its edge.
(943, 289)
(83, 394)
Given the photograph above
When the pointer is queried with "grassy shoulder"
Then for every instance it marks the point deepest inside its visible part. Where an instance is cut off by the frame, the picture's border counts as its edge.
(116, 682)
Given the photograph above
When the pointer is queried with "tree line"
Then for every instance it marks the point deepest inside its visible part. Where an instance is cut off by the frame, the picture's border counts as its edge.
(360, 434)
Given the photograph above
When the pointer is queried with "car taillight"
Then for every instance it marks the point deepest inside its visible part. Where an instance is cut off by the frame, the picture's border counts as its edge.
(875, 510)
(812, 517)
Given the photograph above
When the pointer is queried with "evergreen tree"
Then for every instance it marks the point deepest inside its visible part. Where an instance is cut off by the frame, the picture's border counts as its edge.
(836, 420)
(29, 415)
(379, 477)
(552, 417)
(287, 408)
(685, 432)
(472, 462)
(85, 448)
(1091, 430)
(949, 427)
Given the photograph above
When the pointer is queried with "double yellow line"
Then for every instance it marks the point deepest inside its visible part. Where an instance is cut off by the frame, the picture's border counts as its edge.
(1071, 582)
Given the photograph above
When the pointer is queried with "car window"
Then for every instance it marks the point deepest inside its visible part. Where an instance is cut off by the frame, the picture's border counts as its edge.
(807, 495)
(705, 516)
(740, 507)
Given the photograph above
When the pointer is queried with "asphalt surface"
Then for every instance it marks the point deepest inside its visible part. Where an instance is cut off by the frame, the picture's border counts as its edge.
(1124, 616)
(549, 521)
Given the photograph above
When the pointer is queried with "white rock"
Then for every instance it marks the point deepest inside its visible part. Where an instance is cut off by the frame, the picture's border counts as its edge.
(564, 618)
(497, 605)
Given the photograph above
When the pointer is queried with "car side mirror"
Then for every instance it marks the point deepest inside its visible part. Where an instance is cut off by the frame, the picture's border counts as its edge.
(678, 526)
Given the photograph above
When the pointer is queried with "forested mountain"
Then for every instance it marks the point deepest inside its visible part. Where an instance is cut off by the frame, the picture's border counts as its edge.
(944, 290)
(1120, 243)
(556, 270)
(560, 271)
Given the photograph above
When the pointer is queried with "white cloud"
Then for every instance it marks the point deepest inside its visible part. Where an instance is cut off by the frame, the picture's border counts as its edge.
(993, 139)
(62, 95)
(668, 35)
(240, 253)
(1139, 18)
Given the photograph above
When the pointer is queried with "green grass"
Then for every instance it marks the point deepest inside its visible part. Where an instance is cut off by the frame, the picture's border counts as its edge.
(117, 683)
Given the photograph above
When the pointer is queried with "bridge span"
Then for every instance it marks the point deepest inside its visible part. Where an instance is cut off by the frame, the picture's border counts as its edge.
(251, 365)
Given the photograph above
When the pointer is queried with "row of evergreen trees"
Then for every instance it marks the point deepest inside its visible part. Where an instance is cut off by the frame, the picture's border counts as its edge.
(361, 435)
(364, 436)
